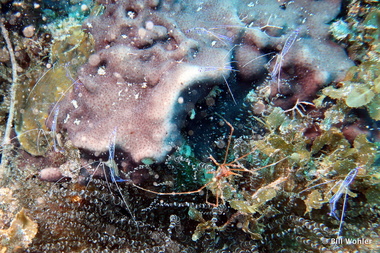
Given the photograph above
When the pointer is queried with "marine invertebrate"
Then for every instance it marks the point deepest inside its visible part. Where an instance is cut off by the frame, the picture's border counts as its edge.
(168, 53)
(309, 47)
(299, 107)
(276, 72)
(260, 211)
(164, 69)
(225, 190)
(343, 189)
(109, 171)
(219, 181)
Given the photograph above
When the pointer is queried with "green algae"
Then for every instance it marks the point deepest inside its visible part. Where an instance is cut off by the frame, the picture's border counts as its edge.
(331, 146)
(285, 138)
(372, 26)
(32, 133)
(38, 97)
(327, 158)
(314, 201)
(360, 88)
(258, 199)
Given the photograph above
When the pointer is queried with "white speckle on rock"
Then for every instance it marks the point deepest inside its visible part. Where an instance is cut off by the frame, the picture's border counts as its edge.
(131, 14)
(67, 118)
(101, 71)
(75, 103)
(77, 122)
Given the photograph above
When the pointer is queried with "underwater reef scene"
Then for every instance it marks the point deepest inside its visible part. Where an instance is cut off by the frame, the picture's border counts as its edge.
(190, 126)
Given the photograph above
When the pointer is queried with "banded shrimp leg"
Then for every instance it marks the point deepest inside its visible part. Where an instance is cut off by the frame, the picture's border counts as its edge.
(110, 167)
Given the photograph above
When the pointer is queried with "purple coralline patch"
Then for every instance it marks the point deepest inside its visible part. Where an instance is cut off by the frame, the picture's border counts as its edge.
(154, 59)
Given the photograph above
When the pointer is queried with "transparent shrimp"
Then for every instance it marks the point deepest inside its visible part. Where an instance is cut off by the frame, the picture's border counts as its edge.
(343, 189)
(113, 171)
(220, 37)
(276, 72)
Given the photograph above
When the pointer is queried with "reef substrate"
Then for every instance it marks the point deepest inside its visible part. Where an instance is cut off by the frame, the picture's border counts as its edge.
(117, 168)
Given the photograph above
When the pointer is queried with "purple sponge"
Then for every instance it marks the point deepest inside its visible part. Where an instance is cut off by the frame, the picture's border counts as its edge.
(154, 59)
(144, 73)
